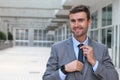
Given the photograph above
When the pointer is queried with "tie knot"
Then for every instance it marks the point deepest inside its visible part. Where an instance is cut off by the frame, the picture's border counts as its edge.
(80, 45)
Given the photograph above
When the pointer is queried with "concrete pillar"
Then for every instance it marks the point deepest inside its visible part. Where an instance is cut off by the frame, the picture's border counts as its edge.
(116, 39)
(14, 36)
(65, 31)
(99, 24)
(30, 36)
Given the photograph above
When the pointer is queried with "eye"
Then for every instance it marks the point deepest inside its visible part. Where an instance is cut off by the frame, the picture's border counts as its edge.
(72, 20)
(81, 20)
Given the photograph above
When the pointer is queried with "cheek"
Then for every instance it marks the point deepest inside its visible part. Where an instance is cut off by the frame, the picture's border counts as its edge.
(85, 25)
(71, 26)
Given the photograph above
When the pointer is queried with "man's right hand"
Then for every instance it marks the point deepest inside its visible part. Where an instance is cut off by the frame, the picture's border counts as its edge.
(74, 66)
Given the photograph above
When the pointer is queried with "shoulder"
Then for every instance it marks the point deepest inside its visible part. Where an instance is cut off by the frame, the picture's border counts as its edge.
(98, 45)
(100, 50)
(62, 43)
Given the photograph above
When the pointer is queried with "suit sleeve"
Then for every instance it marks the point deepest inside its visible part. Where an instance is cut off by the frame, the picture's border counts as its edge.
(52, 70)
(105, 69)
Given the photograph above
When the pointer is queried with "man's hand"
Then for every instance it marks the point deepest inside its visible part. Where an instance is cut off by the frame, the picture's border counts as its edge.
(74, 66)
(89, 54)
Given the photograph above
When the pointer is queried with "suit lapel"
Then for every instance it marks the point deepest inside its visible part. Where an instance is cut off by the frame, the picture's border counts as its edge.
(87, 65)
(70, 50)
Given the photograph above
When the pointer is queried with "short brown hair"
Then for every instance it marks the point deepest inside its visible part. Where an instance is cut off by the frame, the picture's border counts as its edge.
(80, 8)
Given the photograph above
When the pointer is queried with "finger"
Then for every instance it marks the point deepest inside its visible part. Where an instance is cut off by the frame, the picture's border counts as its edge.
(85, 47)
(85, 53)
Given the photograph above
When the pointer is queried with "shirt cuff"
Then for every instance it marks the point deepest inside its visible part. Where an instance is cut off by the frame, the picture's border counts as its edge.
(95, 66)
(62, 75)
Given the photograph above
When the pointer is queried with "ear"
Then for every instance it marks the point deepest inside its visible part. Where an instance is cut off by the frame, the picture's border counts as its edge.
(89, 22)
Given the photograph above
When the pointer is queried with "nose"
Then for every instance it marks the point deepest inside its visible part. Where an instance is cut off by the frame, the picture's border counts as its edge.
(76, 24)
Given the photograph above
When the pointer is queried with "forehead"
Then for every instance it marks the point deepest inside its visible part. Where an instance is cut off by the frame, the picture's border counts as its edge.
(78, 15)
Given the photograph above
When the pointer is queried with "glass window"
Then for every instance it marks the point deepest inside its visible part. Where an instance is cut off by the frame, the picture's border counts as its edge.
(21, 34)
(94, 17)
(107, 36)
(94, 35)
(104, 36)
(26, 34)
(35, 34)
(17, 34)
(104, 16)
(40, 34)
(64, 35)
(68, 32)
(44, 34)
(59, 34)
(107, 15)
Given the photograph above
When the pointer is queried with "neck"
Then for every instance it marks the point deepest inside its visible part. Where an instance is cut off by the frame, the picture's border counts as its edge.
(81, 39)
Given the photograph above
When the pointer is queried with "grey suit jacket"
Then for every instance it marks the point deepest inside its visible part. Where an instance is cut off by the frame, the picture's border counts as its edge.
(63, 53)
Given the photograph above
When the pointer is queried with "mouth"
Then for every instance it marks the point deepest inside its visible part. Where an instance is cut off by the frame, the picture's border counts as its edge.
(78, 29)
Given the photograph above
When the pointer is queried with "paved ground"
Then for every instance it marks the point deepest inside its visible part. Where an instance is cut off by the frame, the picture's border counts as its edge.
(23, 63)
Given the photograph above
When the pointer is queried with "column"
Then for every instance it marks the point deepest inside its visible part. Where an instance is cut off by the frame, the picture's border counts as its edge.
(14, 36)
(119, 34)
(99, 24)
(30, 36)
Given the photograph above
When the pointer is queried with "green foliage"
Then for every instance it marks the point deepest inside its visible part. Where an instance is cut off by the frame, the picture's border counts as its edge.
(10, 36)
(2, 36)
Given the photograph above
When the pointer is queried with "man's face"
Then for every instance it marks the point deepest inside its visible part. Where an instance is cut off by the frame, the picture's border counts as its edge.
(79, 24)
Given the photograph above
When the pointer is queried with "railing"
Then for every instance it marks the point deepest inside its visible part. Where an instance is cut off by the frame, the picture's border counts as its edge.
(40, 43)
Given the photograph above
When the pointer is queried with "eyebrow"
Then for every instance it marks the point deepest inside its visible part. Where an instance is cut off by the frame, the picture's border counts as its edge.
(80, 19)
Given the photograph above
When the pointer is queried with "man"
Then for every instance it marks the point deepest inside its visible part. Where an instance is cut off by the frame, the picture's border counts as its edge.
(64, 64)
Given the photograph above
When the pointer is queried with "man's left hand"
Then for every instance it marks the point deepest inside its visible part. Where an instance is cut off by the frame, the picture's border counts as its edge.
(89, 54)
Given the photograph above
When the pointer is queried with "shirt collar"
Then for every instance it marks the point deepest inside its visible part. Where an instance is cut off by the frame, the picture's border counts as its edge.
(76, 42)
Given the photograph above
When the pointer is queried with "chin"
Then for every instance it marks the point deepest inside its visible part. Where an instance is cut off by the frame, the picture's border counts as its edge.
(78, 35)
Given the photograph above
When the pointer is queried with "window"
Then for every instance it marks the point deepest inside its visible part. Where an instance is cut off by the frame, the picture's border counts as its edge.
(26, 34)
(93, 31)
(107, 15)
(107, 36)
(21, 34)
(94, 17)
(35, 34)
(94, 35)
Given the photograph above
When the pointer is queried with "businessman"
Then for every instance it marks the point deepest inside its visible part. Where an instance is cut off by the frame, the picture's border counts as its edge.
(79, 57)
